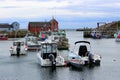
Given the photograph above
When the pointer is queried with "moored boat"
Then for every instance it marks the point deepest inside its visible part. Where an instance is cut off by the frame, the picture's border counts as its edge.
(49, 56)
(82, 56)
(117, 36)
(18, 48)
(3, 37)
(43, 35)
(96, 34)
(75, 61)
(61, 40)
(32, 43)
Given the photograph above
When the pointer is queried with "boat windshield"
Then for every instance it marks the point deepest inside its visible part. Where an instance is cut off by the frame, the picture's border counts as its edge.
(49, 48)
(33, 39)
(16, 43)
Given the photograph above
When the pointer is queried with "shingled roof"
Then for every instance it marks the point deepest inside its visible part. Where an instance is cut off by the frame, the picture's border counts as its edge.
(44, 24)
(5, 26)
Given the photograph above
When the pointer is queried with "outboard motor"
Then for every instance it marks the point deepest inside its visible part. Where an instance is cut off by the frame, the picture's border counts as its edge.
(18, 49)
(52, 59)
(90, 57)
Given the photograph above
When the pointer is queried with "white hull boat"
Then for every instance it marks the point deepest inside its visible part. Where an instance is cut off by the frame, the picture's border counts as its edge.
(18, 48)
(32, 43)
(96, 34)
(81, 56)
(49, 56)
(75, 61)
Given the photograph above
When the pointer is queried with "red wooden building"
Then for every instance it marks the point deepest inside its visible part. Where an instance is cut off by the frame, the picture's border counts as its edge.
(36, 27)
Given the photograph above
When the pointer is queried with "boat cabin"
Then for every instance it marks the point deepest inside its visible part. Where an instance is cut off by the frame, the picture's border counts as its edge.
(31, 39)
(44, 35)
(16, 43)
(47, 49)
(18, 48)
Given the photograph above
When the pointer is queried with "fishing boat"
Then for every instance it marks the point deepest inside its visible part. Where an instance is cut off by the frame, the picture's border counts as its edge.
(63, 44)
(61, 40)
(3, 37)
(81, 56)
(49, 56)
(32, 43)
(58, 37)
(18, 48)
(43, 35)
(117, 36)
(96, 34)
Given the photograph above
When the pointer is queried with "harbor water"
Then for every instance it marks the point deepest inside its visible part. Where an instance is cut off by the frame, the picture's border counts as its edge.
(27, 67)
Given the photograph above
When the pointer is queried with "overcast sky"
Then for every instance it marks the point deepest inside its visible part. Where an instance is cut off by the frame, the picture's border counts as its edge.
(68, 13)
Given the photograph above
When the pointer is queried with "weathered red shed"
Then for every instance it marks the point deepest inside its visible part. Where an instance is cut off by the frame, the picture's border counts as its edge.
(36, 27)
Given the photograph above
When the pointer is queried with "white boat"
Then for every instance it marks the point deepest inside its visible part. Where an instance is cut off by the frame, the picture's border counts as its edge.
(80, 56)
(32, 43)
(75, 61)
(61, 40)
(18, 48)
(43, 35)
(49, 56)
(96, 34)
(117, 36)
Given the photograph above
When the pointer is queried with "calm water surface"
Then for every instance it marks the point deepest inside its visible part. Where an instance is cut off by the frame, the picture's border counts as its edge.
(27, 67)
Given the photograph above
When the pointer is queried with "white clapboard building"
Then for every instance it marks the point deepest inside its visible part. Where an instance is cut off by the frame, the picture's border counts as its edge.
(9, 27)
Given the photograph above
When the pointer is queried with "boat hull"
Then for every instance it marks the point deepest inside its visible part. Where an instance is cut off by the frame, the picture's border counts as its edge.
(117, 39)
(47, 63)
(4, 38)
(14, 53)
(33, 47)
(76, 64)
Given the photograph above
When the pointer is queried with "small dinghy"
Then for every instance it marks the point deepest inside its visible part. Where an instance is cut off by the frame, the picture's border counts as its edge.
(75, 61)
(80, 56)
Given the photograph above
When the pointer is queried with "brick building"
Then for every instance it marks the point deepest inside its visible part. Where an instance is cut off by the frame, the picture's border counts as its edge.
(36, 27)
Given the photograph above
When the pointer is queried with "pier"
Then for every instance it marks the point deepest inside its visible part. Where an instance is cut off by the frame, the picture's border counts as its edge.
(106, 29)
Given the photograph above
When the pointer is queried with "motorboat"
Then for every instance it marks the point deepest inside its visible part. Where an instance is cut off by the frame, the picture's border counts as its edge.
(117, 36)
(63, 43)
(61, 40)
(75, 61)
(3, 37)
(18, 48)
(96, 34)
(49, 56)
(81, 56)
(58, 37)
(42, 35)
(32, 43)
